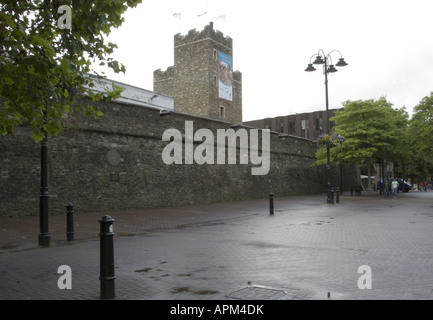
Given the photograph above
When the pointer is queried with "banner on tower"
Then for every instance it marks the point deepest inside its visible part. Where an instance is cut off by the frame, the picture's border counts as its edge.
(225, 76)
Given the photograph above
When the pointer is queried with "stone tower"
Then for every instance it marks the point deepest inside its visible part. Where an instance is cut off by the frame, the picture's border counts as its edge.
(202, 81)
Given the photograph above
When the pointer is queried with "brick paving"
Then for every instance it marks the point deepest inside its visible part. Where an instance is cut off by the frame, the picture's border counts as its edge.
(307, 250)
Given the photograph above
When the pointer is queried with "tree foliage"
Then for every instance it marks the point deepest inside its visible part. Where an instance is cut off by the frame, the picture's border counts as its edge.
(421, 140)
(372, 129)
(367, 132)
(44, 67)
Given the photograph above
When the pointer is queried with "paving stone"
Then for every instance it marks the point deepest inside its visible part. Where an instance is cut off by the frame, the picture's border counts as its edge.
(307, 250)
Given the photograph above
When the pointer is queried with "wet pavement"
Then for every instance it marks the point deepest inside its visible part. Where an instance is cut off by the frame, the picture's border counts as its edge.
(306, 250)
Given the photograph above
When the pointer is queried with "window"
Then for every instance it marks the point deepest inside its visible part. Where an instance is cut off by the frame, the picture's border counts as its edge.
(215, 54)
(304, 128)
(318, 124)
(215, 81)
(282, 127)
(222, 111)
(292, 127)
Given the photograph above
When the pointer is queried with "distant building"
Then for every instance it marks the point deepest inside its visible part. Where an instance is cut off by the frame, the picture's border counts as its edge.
(307, 125)
(136, 96)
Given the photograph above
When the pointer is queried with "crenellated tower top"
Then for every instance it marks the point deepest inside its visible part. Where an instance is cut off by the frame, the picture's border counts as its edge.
(207, 33)
(202, 80)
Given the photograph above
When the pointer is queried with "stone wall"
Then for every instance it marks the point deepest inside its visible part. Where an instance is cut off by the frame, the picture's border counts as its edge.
(163, 81)
(115, 162)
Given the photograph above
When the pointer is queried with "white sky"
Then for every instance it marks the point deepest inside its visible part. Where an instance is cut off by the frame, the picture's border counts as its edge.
(388, 45)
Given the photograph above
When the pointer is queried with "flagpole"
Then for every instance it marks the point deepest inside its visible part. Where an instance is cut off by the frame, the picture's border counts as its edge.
(178, 16)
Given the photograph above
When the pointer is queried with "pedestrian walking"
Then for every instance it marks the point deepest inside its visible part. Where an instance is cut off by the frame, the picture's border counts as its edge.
(388, 187)
(394, 185)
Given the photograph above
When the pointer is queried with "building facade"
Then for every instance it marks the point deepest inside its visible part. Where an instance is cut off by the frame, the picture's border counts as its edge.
(305, 125)
(135, 96)
(202, 81)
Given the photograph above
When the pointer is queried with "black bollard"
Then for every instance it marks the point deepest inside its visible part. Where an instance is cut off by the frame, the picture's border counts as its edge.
(332, 195)
(351, 191)
(337, 196)
(329, 197)
(107, 276)
(69, 222)
(271, 203)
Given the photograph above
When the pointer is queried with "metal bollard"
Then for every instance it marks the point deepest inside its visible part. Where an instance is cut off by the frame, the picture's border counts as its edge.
(332, 195)
(271, 203)
(337, 196)
(69, 222)
(107, 276)
(351, 191)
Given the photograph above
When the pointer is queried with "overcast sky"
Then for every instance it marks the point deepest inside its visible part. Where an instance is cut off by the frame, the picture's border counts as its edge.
(388, 45)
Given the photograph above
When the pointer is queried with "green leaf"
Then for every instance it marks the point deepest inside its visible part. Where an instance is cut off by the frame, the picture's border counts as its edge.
(40, 41)
(8, 81)
(8, 20)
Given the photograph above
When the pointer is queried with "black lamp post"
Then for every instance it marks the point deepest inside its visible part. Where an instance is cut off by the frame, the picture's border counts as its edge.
(328, 67)
(341, 139)
(44, 234)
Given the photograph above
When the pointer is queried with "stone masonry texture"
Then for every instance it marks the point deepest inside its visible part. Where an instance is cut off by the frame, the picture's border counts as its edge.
(192, 81)
(115, 162)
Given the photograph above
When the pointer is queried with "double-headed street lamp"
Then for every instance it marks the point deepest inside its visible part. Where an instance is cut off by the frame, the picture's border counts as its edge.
(328, 67)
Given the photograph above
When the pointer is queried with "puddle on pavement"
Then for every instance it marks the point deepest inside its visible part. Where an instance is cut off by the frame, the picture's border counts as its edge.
(262, 244)
(260, 292)
(8, 246)
(177, 290)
